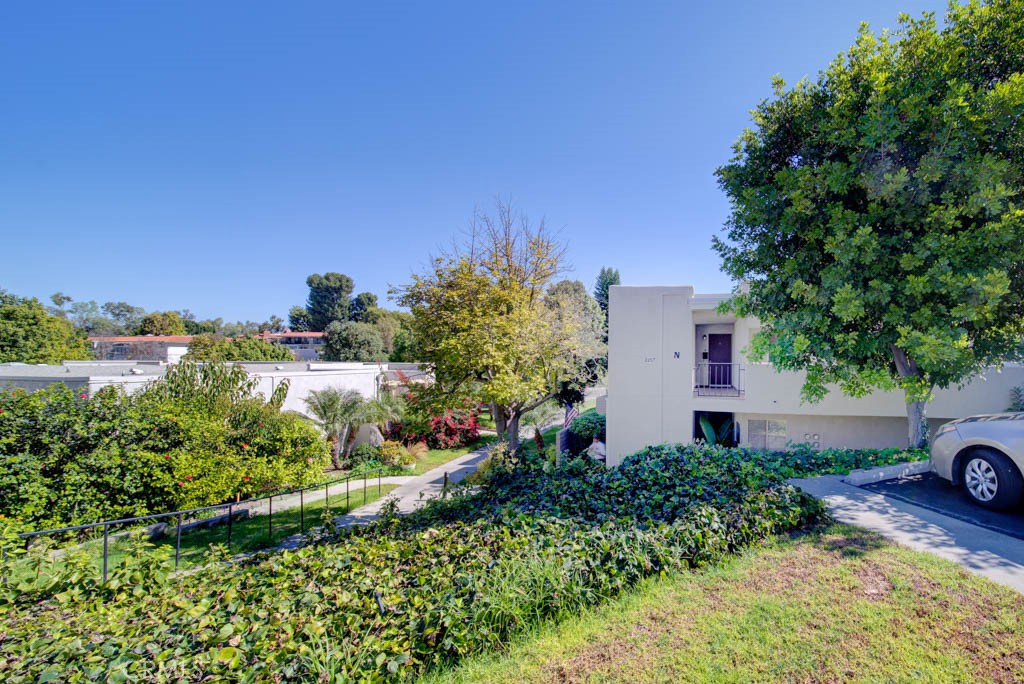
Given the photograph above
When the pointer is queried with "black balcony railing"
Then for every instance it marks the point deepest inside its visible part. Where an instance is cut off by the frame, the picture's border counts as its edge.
(718, 380)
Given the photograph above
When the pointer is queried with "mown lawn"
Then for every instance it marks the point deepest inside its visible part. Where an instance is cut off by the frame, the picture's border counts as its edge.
(840, 604)
(253, 534)
(248, 534)
(438, 457)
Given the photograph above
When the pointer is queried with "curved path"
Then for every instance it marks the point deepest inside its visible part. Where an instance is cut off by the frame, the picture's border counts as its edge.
(417, 490)
(412, 492)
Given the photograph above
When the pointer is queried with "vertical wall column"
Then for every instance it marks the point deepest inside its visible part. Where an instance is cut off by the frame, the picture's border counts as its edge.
(678, 350)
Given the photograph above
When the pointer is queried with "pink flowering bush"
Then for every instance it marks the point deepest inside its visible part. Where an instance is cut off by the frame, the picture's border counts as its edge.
(439, 428)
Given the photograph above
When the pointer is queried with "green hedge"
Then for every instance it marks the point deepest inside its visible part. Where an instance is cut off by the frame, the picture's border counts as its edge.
(198, 437)
(463, 575)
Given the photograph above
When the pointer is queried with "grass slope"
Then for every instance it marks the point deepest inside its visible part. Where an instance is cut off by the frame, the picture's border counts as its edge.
(248, 534)
(840, 604)
(438, 457)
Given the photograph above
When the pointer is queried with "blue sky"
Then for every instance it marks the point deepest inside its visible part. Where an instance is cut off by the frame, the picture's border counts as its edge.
(211, 155)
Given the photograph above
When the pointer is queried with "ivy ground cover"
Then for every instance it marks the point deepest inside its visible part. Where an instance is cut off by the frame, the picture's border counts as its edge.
(403, 597)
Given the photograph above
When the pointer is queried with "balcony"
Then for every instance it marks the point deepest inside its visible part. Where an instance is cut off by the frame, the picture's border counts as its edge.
(718, 380)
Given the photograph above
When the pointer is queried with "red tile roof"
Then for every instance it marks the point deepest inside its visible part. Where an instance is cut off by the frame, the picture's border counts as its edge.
(170, 339)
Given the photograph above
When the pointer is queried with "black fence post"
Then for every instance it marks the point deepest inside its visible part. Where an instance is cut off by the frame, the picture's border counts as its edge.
(270, 518)
(364, 487)
(231, 521)
(302, 512)
(177, 545)
(327, 497)
(378, 481)
(106, 536)
(444, 487)
(347, 481)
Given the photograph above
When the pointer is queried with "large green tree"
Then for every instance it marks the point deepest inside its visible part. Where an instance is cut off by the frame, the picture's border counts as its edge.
(483, 323)
(348, 341)
(878, 212)
(127, 316)
(161, 323)
(607, 277)
(87, 317)
(298, 319)
(29, 334)
(364, 308)
(330, 299)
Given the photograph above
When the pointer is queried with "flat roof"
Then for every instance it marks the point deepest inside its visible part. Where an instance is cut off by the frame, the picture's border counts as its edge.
(79, 371)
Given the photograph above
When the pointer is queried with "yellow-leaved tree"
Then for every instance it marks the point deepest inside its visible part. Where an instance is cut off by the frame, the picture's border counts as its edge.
(491, 326)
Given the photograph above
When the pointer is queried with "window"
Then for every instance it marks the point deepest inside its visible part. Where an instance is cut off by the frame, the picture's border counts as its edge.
(767, 434)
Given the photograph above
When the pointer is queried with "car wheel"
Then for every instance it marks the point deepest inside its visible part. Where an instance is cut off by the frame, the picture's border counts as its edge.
(991, 480)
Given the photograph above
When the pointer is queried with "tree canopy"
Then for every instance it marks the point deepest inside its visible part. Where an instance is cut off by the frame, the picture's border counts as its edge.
(483, 321)
(329, 299)
(878, 213)
(162, 323)
(210, 347)
(29, 334)
(364, 306)
(607, 277)
(350, 341)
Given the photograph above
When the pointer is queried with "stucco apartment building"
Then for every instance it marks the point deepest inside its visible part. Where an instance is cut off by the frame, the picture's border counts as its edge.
(672, 358)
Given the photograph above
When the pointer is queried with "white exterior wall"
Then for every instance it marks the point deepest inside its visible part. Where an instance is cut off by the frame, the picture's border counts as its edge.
(654, 343)
(175, 352)
(344, 376)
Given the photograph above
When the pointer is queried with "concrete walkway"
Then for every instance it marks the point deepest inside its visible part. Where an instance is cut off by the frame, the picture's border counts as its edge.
(414, 493)
(996, 556)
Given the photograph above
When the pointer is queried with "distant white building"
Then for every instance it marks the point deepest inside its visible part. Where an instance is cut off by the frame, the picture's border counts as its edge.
(90, 376)
(164, 348)
(673, 358)
(304, 346)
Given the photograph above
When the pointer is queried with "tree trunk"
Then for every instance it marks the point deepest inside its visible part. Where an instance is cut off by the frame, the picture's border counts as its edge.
(499, 420)
(917, 419)
(351, 440)
(513, 432)
(538, 439)
(335, 451)
(917, 423)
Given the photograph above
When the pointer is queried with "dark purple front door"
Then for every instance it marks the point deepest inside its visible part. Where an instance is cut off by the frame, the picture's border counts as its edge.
(720, 360)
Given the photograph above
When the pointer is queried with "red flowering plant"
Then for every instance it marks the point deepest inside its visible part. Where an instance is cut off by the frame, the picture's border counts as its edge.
(428, 420)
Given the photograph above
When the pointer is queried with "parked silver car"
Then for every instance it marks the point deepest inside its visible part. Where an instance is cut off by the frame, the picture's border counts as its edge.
(986, 455)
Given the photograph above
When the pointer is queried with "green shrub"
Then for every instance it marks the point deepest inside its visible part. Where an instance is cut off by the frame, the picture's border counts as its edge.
(588, 425)
(393, 453)
(199, 437)
(365, 452)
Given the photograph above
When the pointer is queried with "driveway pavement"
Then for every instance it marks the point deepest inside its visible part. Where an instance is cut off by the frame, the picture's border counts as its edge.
(984, 551)
(930, 491)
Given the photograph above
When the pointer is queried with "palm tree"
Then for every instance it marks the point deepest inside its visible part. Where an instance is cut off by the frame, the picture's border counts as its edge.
(386, 409)
(339, 413)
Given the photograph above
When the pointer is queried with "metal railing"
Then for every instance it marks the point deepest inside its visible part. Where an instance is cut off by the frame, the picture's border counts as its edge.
(189, 517)
(718, 380)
